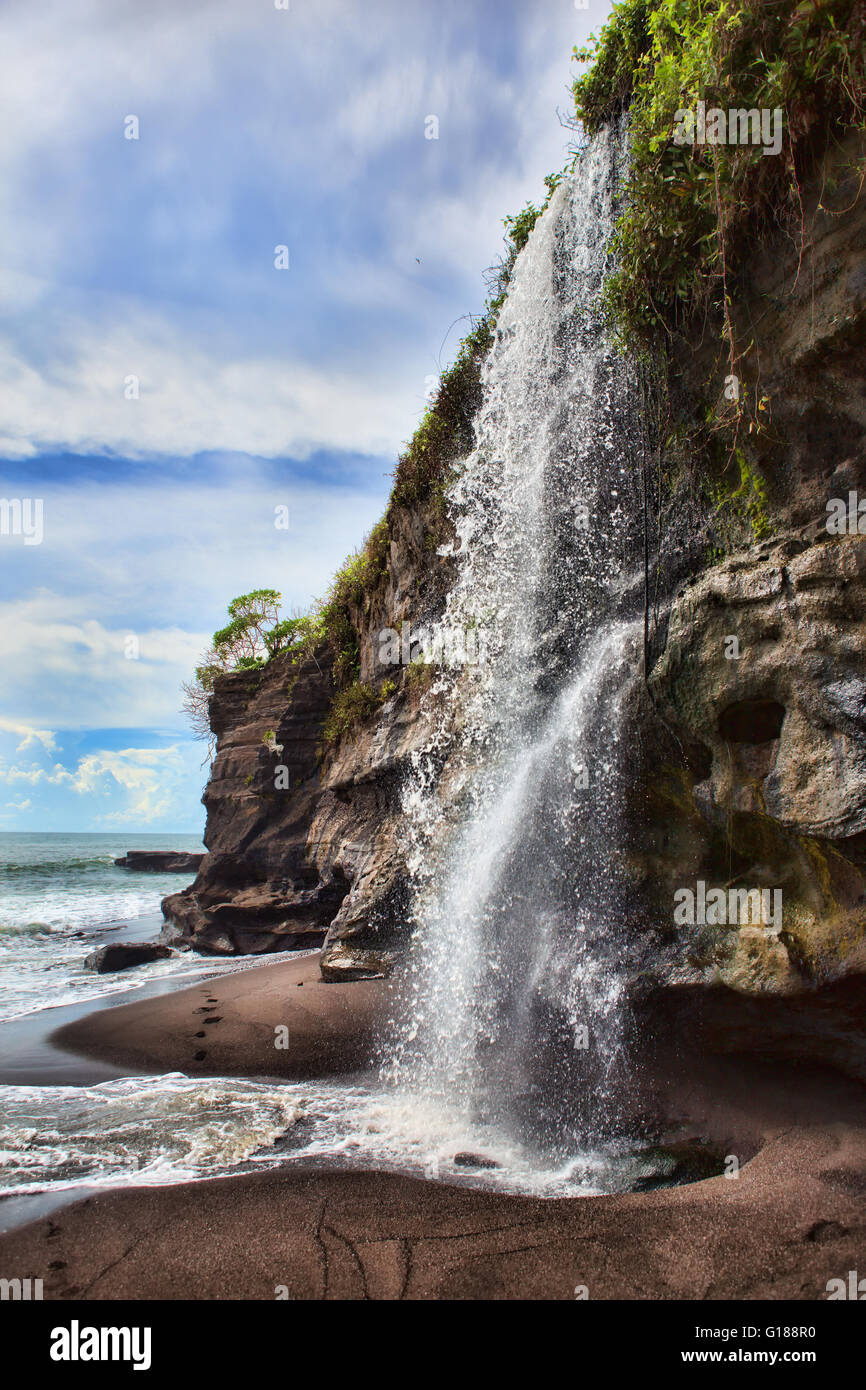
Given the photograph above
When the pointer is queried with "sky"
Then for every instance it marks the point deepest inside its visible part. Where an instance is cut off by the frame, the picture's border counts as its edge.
(169, 377)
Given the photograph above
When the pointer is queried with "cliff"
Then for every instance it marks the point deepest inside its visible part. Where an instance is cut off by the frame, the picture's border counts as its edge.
(748, 761)
(757, 680)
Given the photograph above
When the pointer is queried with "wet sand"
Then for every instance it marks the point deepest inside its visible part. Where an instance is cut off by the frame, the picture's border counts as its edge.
(791, 1221)
(29, 1052)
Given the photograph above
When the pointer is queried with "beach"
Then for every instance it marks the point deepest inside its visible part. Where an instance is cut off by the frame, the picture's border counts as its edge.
(217, 1129)
(790, 1220)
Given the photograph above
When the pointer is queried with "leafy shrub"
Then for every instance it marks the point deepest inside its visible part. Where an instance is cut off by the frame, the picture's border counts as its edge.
(350, 707)
(242, 641)
(253, 635)
(694, 213)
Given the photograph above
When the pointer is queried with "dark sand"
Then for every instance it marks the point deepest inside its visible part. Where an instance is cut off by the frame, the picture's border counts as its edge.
(331, 1026)
(794, 1218)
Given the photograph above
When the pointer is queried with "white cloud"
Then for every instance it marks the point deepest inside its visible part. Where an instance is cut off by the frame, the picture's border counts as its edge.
(74, 668)
(146, 776)
(32, 774)
(104, 787)
(189, 401)
(29, 736)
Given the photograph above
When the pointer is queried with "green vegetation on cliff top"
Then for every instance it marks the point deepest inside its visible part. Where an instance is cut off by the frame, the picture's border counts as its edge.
(694, 211)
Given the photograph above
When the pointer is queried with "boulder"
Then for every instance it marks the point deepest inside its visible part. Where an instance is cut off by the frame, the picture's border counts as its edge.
(345, 962)
(123, 955)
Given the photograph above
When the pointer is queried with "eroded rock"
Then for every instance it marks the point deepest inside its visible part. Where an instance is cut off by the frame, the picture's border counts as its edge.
(123, 955)
(160, 861)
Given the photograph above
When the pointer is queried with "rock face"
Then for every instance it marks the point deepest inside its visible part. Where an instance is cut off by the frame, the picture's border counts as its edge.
(751, 726)
(755, 725)
(123, 955)
(776, 723)
(259, 888)
(160, 861)
(782, 709)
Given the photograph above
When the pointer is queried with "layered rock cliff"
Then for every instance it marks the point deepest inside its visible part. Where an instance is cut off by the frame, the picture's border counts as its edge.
(758, 677)
(318, 859)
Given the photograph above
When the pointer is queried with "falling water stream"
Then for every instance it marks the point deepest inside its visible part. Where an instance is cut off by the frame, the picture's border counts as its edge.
(514, 1020)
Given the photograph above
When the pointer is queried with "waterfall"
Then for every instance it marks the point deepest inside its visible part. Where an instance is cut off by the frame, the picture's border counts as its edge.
(514, 1015)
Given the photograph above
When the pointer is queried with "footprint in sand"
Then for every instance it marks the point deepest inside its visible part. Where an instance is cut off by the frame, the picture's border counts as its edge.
(217, 1018)
(202, 1034)
(199, 1056)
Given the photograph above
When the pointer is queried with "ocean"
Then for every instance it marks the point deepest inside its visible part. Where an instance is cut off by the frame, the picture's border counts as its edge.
(61, 897)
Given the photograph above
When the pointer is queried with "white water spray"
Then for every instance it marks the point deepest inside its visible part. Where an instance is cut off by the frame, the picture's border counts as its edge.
(514, 1015)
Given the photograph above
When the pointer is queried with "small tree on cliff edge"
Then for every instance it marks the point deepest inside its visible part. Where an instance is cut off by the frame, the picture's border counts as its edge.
(242, 641)
(253, 634)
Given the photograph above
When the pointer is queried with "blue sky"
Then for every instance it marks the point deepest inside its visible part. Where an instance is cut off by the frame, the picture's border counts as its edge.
(153, 259)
